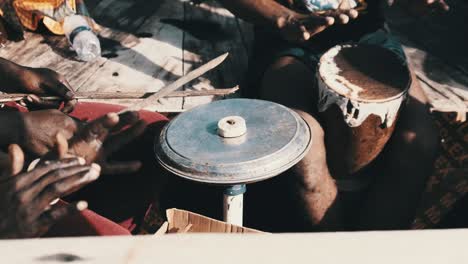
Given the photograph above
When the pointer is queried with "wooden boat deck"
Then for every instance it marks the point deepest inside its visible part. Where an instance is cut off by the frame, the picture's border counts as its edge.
(436, 47)
(146, 45)
(149, 44)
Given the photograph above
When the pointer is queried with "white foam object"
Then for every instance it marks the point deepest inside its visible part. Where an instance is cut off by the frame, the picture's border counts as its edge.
(344, 93)
(319, 5)
(232, 126)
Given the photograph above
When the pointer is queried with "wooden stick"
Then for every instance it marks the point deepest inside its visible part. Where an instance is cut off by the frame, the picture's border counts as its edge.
(162, 230)
(4, 98)
(170, 88)
(187, 228)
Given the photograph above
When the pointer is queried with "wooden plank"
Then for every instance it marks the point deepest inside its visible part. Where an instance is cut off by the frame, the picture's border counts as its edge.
(211, 30)
(51, 52)
(442, 35)
(445, 86)
(152, 63)
(145, 64)
(429, 247)
(14, 97)
(440, 73)
(438, 56)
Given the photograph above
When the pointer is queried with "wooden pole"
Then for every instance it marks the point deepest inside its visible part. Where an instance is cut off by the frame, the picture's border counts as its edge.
(233, 204)
(4, 98)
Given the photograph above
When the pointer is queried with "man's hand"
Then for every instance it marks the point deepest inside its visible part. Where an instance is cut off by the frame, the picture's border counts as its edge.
(425, 7)
(25, 198)
(41, 127)
(299, 28)
(97, 140)
(36, 81)
(293, 26)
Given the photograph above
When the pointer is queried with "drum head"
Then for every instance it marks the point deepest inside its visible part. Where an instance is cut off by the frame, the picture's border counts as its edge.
(276, 139)
(364, 73)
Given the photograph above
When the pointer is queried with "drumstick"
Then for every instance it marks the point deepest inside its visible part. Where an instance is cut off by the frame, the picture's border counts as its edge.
(5, 98)
(153, 99)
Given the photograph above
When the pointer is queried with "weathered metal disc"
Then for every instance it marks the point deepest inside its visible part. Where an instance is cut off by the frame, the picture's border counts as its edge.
(276, 139)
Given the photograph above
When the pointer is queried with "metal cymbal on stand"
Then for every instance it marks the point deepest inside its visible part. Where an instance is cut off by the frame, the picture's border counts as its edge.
(232, 143)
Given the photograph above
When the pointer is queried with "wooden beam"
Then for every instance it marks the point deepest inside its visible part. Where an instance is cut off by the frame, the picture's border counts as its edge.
(149, 65)
(428, 247)
(4, 98)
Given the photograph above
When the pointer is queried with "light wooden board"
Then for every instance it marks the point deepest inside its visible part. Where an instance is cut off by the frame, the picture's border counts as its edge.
(443, 35)
(151, 64)
(436, 47)
(445, 86)
(50, 52)
(426, 247)
(146, 45)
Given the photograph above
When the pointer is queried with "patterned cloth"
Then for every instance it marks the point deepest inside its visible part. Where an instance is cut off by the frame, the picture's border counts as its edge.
(449, 183)
(31, 12)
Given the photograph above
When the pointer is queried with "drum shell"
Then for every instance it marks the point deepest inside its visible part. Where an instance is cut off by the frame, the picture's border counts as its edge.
(356, 127)
(350, 149)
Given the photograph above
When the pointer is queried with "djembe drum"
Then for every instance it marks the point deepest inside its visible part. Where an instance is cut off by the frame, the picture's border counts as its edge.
(367, 85)
(232, 143)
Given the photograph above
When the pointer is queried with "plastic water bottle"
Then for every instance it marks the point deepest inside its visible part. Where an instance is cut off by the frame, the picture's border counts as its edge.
(81, 37)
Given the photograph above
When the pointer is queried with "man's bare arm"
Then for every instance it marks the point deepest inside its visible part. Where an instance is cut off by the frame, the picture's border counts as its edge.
(15, 78)
(291, 25)
(259, 12)
(422, 7)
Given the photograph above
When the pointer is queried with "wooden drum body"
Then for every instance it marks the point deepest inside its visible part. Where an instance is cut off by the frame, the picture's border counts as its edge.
(361, 91)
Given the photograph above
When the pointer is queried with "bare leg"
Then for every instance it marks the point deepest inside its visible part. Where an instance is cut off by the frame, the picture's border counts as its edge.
(316, 189)
(408, 160)
(291, 83)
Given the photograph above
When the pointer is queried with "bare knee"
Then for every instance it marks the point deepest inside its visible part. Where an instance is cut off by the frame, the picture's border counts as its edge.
(313, 167)
(427, 142)
(315, 127)
(418, 130)
(423, 143)
(419, 135)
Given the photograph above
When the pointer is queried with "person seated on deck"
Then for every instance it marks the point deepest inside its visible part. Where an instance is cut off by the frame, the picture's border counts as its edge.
(288, 44)
(74, 149)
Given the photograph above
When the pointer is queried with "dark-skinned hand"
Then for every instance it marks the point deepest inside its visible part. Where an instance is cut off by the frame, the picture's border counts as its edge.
(25, 197)
(100, 138)
(425, 7)
(41, 127)
(299, 28)
(36, 81)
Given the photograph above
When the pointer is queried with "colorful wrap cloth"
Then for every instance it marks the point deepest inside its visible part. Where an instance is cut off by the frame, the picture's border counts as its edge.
(50, 12)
